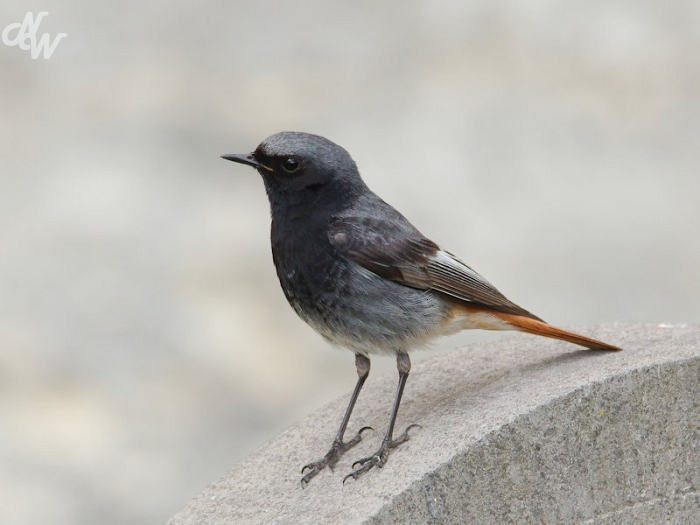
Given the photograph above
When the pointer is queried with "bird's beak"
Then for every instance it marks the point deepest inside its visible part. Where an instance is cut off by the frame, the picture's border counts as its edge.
(246, 158)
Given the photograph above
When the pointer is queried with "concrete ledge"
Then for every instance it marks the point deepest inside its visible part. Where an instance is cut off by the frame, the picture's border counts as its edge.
(519, 430)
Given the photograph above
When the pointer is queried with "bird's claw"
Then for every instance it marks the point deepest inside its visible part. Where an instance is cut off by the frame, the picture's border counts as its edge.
(338, 448)
(379, 458)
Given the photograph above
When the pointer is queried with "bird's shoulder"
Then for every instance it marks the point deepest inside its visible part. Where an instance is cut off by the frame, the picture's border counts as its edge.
(373, 232)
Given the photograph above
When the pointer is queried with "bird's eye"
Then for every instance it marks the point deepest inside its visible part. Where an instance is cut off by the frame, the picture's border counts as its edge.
(290, 165)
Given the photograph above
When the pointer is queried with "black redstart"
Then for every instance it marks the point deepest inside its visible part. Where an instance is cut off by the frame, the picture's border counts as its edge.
(364, 277)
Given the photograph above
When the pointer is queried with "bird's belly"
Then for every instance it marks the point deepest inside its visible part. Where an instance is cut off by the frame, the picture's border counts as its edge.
(356, 309)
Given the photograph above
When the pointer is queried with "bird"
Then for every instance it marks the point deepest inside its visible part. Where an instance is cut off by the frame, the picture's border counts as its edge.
(363, 277)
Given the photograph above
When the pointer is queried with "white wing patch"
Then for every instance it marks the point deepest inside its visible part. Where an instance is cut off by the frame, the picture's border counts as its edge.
(450, 261)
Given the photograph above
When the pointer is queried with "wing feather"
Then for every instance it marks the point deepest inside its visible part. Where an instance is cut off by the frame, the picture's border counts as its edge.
(395, 250)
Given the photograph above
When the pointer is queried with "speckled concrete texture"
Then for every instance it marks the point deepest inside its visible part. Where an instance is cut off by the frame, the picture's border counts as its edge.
(519, 430)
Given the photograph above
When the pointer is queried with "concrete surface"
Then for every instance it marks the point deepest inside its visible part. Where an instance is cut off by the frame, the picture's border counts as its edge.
(519, 430)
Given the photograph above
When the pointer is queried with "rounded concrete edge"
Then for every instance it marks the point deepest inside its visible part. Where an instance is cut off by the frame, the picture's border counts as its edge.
(625, 449)
(518, 430)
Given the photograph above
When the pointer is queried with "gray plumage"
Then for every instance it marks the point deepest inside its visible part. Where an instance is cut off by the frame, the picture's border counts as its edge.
(351, 265)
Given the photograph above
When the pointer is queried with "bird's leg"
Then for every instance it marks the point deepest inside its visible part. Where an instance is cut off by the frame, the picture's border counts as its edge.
(379, 458)
(339, 446)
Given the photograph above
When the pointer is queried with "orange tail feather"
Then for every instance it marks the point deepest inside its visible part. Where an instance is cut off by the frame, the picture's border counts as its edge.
(533, 326)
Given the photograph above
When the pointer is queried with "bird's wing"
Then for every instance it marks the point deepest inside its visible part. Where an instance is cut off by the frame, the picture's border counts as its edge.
(395, 250)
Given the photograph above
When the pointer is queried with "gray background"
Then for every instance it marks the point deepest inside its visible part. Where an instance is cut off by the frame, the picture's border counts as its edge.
(145, 346)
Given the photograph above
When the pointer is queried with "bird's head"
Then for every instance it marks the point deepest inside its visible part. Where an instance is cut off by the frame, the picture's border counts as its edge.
(297, 165)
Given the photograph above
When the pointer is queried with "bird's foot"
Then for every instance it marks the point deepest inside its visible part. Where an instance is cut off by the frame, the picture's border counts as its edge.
(338, 448)
(380, 457)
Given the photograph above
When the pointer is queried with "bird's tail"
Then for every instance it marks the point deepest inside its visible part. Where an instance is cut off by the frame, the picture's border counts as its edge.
(533, 326)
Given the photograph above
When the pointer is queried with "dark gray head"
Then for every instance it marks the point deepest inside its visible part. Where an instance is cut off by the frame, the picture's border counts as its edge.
(298, 165)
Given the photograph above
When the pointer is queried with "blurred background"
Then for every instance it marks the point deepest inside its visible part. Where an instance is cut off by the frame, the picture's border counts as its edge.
(145, 345)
